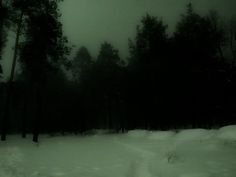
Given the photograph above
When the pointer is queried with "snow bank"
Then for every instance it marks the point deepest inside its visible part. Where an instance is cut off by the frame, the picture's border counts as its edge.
(161, 135)
(137, 133)
(193, 134)
(227, 133)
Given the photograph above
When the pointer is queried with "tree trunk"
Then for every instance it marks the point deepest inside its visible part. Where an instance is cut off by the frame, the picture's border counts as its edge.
(109, 112)
(24, 111)
(37, 112)
(6, 113)
(39, 106)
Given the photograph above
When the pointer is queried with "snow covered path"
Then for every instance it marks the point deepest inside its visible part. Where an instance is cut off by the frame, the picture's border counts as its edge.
(140, 167)
(138, 153)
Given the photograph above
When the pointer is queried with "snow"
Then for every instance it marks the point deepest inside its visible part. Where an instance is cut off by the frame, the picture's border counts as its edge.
(138, 153)
(161, 135)
(137, 133)
(192, 134)
(227, 133)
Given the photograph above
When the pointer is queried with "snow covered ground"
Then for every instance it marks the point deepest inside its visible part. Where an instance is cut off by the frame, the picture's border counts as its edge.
(138, 153)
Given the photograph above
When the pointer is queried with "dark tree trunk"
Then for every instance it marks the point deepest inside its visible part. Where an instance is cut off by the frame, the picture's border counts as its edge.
(109, 112)
(6, 112)
(38, 112)
(24, 113)
(24, 122)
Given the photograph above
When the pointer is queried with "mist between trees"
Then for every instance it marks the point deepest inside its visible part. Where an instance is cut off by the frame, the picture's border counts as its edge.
(187, 79)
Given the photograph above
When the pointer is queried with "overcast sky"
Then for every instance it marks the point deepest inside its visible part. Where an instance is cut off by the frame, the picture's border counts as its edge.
(90, 22)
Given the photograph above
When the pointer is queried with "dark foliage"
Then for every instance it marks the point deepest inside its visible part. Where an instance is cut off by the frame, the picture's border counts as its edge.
(169, 81)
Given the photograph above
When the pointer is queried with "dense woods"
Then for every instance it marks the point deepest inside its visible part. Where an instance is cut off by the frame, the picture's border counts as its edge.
(169, 81)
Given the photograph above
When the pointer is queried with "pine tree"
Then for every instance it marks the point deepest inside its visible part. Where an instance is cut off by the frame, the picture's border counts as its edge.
(81, 64)
(43, 50)
(147, 68)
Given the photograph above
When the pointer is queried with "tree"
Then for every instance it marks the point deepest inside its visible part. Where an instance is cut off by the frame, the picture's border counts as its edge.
(232, 39)
(4, 25)
(3, 20)
(198, 42)
(44, 49)
(107, 74)
(16, 13)
(81, 89)
(150, 40)
(200, 38)
(148, 68)
(81, 64)
(108, 55)
(218, 33)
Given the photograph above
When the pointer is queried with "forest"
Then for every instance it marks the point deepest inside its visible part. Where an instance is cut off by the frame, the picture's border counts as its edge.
(186, 79)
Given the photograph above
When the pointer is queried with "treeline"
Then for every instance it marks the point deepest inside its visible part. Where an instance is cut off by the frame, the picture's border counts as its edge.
(186, 79)
(40, 48)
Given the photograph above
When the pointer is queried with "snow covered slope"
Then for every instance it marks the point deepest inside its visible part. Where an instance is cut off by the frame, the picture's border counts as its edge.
(138, 153)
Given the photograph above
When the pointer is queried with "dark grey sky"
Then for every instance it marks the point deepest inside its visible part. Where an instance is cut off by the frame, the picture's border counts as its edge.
(90, 22)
